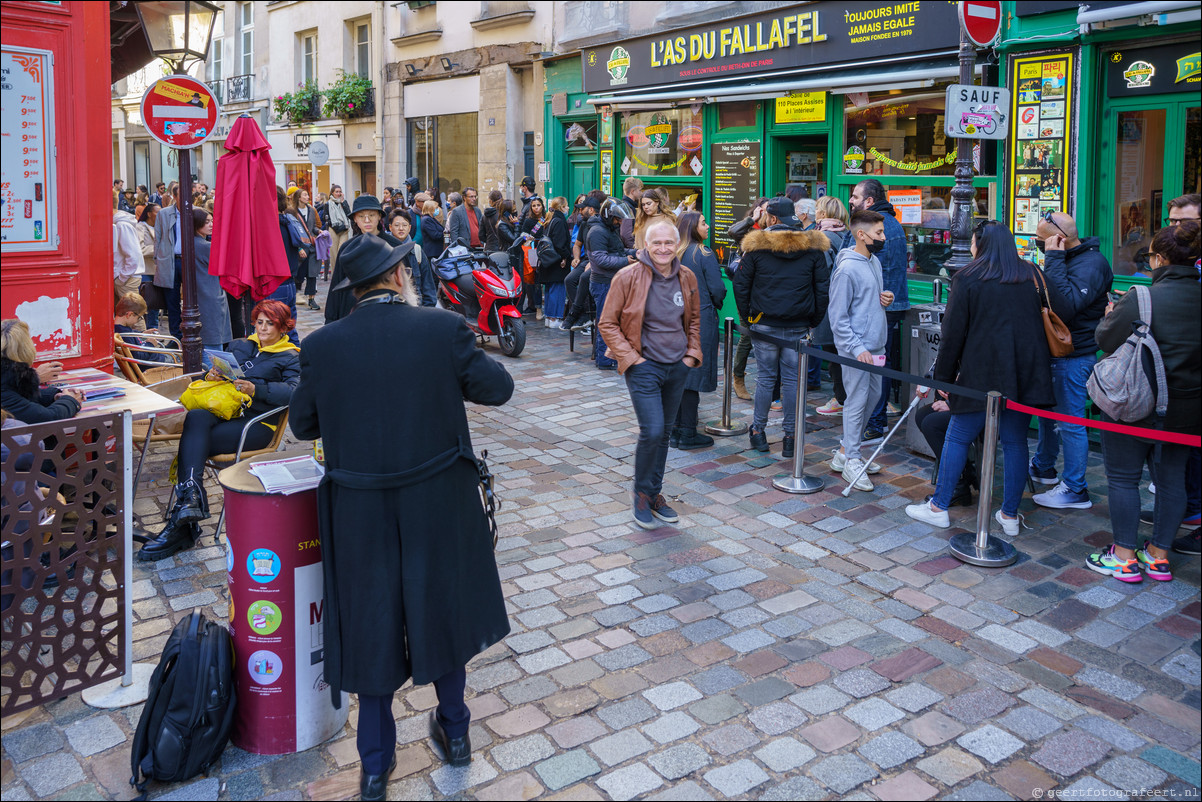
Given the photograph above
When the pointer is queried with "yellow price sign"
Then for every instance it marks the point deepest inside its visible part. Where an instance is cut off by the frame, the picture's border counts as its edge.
(806, 107)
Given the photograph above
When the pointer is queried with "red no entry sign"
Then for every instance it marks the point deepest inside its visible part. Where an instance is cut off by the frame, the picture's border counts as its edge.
(179, 111)
(981, 20)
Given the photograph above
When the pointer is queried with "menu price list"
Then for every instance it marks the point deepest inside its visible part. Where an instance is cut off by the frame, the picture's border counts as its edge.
(735, 170)
(24, 185)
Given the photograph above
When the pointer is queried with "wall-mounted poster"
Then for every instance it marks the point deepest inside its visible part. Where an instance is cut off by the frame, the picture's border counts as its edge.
(1039, 150)
(28, 202)
(607, 171)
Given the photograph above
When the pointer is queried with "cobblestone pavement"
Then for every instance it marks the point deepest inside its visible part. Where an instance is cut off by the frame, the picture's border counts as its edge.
(766, 647)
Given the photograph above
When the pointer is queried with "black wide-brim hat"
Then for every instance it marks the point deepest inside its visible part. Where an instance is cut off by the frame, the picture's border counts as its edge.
(367, 203)
(366, 257)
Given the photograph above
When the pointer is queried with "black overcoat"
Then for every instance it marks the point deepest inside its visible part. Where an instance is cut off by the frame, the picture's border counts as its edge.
(712, 292)
(411, 579)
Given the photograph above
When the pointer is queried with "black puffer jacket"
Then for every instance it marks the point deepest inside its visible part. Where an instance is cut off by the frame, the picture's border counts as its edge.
(606, 252)
(1082, 277)
(23, 398)
(273, 372)
(1176, 298)
(557, 229)
(492, 239)
(783, 279)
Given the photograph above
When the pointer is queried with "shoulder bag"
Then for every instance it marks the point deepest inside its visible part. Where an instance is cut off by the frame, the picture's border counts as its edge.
(1060, 340)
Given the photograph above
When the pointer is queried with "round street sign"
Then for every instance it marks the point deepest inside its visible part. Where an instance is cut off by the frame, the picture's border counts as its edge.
(319, 153)
(179, 111)
(981, 20)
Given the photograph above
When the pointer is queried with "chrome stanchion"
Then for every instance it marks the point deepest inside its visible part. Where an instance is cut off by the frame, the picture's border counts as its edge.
(725, 427)
(983, 549)
(798, 482)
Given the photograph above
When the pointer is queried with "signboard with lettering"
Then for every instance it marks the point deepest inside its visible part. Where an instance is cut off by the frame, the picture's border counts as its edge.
(1152, 70)
(976, 112)
(28, 202)
(735, 182)
(824, 33)
(803, 107)
(179, 111)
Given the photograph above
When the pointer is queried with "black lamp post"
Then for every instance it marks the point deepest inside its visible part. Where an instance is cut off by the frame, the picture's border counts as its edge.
(179, 31)
(963, 194)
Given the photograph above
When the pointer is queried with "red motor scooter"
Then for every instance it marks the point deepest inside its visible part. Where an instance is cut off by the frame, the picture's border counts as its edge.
(483, 289)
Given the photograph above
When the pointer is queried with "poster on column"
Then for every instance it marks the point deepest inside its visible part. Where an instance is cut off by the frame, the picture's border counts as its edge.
(1039, 149)
(28, 201)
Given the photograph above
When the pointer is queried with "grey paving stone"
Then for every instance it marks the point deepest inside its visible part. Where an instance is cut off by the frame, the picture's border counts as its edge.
(513, 755)
(1131, 618)
(777, 718)
(766, 690)
(1029, 723)
(49, 775)
(1152, 603)
(1090, 788)
(872, 714)
(716, 709)
(1007, 638)
(1070, 752)
(563, 770)
(950, 765)
(95, 734)
(1052, 703)
(688, 791)
(630, 782)
(787, 626)
(914, 697)
(646, 627)
(795, 788)
(736, 579)
(990, 743)
(730, 739)
(1109, 683)
(842, 773)
(837, 634)
(620, 747)
(30, 742)
(860, 682)
(672, 695)
(820, 700)
(978, 791)
(615, 616)
(626, 714)
(891, 749)
(1102, 633)
(706, 630)
(745, 617)
(627, 656)
(978, 705)
(679, 761)
(1129, 772)
(1184, 667)
(1112, 733)
(902, 630)
(529, 690)
(547, 659)
(737, 778)
(785, 754)
(529, 641)
(488, 677)
(749, 640)
(576, 731)
(1041, 632)
(206, 789)
(731, 599)
(1100, 596)
(718, 679)
(672, 727)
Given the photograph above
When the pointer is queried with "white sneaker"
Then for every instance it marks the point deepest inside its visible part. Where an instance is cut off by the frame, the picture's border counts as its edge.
(839, 462)
(1010, 526)
(850, 469)
(557, 324)
(831, 408)
(922, 512)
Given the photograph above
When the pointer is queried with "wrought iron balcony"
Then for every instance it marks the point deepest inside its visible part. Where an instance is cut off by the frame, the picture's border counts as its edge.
(239, 88)
(365, 109)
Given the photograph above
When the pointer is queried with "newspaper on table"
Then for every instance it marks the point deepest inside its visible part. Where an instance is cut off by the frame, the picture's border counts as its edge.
(288, 476)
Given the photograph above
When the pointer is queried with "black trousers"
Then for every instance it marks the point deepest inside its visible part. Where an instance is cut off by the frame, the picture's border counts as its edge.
(686, 418)
(205, 434)
(376, 737)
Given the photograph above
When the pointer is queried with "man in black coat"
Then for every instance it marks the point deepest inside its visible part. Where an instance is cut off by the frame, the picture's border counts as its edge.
(411, 584)
(607, 255)
(1076, 270)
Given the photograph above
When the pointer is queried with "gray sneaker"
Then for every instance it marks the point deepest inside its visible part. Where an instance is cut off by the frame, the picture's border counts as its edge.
(642, 512)
(1061, 498)
(661, 510)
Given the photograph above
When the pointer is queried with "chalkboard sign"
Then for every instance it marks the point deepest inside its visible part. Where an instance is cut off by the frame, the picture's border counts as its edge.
(735, 171)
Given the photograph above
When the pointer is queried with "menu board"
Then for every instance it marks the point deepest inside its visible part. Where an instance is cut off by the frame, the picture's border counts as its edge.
(27, 208)
(735, 178)
(1041, 123)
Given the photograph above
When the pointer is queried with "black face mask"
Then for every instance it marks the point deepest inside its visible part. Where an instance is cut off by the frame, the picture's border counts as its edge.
(875, 246)
(1039, 245)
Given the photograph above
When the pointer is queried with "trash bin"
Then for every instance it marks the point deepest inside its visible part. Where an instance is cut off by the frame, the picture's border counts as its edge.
(276, 608)
(924, 347)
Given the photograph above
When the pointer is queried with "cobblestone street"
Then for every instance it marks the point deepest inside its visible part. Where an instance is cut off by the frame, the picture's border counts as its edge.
(768, 646)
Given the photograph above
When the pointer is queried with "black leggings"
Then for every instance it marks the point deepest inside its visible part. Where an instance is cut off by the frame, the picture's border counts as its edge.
(205, 435)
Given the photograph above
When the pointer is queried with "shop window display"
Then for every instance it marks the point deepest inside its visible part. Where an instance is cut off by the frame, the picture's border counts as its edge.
(667, 142)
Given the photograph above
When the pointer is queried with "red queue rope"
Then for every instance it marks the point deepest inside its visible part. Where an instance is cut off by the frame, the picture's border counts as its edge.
(1119, 428)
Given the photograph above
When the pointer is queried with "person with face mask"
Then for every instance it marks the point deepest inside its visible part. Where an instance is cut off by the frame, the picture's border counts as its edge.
(857, 316)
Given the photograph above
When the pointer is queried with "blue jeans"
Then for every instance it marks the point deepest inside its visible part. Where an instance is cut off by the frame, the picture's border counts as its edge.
(600, 290)
(773, 361)
(655, 389)
(964, 428)
(152, 315)
(556, 296)
(172, 294)
(880, 414)
(1068, 381)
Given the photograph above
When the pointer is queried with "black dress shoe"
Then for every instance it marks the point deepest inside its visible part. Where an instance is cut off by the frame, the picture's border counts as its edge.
(457, 751)
(789, 447)
(374, 787)
(674, 439)
(176, 536)
(691, 440)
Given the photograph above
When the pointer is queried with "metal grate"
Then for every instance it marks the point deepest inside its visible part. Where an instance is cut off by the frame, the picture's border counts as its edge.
(62, 586)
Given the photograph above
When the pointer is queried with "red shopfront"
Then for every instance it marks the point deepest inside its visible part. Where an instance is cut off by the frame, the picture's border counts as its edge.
(56, 269)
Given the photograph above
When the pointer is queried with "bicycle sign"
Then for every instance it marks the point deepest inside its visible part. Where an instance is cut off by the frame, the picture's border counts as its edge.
(976, 112)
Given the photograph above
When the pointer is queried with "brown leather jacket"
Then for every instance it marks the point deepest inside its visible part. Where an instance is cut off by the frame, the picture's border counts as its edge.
(621, 323)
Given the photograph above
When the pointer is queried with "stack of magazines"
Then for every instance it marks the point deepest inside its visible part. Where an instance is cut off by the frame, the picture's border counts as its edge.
(288, 476)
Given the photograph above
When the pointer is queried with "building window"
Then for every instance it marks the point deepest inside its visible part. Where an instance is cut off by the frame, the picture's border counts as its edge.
(246, 37)
(363, 49)
(216, 57)
(665, 142)
(308, 57)
(444, 154)
(738, 114)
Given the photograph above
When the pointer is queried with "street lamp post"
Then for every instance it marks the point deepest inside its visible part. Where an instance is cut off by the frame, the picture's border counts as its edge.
(963, 194)
(179, 31)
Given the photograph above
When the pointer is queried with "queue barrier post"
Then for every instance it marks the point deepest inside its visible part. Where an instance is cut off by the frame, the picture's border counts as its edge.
(798, 482)
(726, 427)
(982, 548)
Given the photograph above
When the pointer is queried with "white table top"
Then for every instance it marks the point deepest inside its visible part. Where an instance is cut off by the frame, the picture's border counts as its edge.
(137, 399)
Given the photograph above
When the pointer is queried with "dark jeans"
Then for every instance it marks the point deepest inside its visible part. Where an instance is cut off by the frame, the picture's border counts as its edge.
(686, 418)
(880, 418)
(1124, 457)
(966, 427)
(152, 315)
(576, 285)
(600, 289)
(742, 351)
(205, 434)
(172, 294)
(655, 389)
(376, 737)
(1193, 482)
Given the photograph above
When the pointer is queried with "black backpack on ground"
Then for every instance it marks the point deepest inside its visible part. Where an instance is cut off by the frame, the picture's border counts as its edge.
(186, 722)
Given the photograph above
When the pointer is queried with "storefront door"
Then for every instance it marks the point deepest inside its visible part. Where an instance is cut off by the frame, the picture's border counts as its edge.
(582, 175)
(802, 161)
(1150, 155)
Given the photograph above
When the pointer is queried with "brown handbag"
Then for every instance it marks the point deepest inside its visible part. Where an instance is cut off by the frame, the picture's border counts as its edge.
(1060, 339)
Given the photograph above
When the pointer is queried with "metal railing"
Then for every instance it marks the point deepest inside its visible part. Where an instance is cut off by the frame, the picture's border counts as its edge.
(239, 88)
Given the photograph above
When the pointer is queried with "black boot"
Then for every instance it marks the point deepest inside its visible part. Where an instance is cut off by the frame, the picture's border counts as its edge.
(674, 438)
(962, 495)
(191, 502)
(375, 786)
(691, 440)
(789, 447)
(176, 536)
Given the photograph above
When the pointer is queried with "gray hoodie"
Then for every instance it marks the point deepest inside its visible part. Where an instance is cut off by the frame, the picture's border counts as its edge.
(856, 317)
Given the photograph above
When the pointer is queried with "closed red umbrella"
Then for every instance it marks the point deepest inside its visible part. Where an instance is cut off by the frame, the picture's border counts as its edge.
(247, 252)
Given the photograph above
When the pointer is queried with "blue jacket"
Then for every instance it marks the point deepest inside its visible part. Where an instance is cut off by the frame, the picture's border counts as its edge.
(893, 259)
(1083, 277)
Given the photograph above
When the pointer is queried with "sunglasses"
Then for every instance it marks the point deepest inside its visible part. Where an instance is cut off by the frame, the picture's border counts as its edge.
(1047, 217)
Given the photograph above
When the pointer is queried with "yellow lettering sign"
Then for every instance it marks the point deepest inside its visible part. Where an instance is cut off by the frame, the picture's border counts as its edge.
(182, 94)
(808, 107)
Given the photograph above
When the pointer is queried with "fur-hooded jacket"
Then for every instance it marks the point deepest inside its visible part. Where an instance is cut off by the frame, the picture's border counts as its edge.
(784, 278)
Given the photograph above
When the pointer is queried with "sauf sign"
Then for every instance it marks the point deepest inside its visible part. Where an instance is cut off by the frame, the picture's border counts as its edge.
(976, 112)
